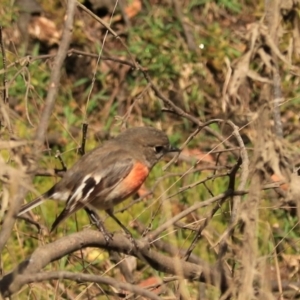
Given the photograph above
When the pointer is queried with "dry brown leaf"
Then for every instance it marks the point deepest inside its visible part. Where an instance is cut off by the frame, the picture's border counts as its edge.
(196, 154)
(269, 41)
(142, 191)
(255, 76)
(93, 254)
(296, 36)
(292, 262)
(241, 70)
(274, 157)
(44, 30)
(150, 282)
(133, 9)
(276, 178)
(267, 59)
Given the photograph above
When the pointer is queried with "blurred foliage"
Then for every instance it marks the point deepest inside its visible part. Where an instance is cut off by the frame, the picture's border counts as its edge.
(193, 80)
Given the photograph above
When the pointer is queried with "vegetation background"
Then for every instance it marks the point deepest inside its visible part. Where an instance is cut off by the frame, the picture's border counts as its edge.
(221, 78)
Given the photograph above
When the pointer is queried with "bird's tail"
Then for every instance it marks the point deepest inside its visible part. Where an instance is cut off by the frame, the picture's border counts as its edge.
(29, 206)
(66, 213)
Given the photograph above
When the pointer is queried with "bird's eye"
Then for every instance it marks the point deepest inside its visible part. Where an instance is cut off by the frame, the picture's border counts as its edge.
(158, 149)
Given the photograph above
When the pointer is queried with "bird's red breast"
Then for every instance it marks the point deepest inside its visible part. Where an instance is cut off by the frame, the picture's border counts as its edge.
(135, 178)
(126, 187)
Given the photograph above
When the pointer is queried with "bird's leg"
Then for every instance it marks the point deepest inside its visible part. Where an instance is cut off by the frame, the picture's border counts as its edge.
(95, 219)
(110, 213)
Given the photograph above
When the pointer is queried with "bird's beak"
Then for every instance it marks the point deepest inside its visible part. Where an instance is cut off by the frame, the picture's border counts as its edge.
(174, 149)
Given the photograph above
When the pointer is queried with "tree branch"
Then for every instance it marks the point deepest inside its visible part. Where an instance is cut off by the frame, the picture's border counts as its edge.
(42, 256)
(80, 277)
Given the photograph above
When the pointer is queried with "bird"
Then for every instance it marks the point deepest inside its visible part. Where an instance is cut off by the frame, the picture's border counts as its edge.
(107, 175)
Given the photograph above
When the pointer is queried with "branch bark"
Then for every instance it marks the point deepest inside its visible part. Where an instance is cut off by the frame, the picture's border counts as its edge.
(80, 277)
(42, 256)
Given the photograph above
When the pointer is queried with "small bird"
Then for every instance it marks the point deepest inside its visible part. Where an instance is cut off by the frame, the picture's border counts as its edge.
(107, 175)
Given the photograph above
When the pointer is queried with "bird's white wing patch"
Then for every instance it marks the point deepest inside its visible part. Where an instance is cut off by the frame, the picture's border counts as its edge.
(83, 191)
(61, 195)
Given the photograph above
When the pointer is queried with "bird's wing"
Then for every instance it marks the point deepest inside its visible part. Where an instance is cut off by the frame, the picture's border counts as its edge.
(97, 160)
(98, 184)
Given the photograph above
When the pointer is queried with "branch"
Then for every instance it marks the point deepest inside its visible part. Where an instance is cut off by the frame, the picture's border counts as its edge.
(42, 256)
(80, 277)
(56, 72)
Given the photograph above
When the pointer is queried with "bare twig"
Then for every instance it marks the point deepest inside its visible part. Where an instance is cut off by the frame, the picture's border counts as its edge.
(273, 24)
(5, 91)
(231, 185)
(154, 234)
(244, 163)
(83, 141)
(187, 32)
(249, 213)
(56, 73)
(107, 26)
(122, 264)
